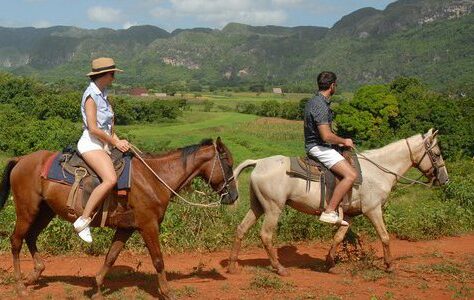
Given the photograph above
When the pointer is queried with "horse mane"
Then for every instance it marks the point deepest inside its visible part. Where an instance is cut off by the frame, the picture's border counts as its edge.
(185, 151)
(376, 150)
(189, 150)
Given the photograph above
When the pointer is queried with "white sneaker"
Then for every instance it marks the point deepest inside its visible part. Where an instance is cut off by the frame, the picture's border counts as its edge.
(85, 235)
(81, 226)
(333, 218)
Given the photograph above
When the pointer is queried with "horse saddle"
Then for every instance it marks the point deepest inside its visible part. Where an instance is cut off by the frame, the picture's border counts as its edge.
(69, 168)
(311, 169)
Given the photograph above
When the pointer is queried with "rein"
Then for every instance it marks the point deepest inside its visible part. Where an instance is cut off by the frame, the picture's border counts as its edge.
(136, 151)
(412, 181)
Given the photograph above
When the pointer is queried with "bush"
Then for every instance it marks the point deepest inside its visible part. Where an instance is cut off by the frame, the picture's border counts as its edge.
(460, 188)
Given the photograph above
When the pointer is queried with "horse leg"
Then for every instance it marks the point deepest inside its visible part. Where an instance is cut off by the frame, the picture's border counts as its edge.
(337, 239)
(27, 205)
(376, 217)
(251, 217)
(45, 215)
(150, 235)
(266, 234)
(118, 242)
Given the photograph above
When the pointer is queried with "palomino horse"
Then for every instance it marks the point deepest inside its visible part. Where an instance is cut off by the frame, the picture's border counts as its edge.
(271, 188)
(37, 201)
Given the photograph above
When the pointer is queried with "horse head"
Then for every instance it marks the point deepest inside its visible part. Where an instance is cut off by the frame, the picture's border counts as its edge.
(429, 159)
(218, 172)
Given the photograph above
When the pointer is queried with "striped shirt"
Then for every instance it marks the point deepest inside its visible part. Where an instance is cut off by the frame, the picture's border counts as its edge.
(316, 112)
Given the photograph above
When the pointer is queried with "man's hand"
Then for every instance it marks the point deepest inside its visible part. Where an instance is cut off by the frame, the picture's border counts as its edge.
(348, 143)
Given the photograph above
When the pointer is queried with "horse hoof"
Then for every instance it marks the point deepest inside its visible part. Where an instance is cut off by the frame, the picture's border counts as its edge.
(232, 269)
(30, 280)
(334, 270)
(22, 291)
(97, 296)
(169, 296)
(283, 272)
(330, 264)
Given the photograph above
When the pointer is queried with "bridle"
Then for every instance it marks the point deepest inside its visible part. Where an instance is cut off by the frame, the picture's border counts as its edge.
(219, 157)
(433, 171)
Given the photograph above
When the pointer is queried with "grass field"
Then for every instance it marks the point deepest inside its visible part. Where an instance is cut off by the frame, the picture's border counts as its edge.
(246, 135)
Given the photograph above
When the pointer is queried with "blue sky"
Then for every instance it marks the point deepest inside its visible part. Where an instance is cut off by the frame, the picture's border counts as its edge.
(173, 14)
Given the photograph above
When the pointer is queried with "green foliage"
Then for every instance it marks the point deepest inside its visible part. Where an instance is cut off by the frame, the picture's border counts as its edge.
(23, 134)
(460, 188)
(369, 115)
(383, 113)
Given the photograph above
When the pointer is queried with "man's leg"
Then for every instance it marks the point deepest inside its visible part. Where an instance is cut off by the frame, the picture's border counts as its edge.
(347, 175)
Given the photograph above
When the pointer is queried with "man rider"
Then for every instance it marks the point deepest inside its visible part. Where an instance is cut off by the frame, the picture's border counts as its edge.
(319, 137)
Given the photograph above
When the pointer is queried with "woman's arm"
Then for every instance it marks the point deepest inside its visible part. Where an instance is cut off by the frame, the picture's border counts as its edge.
(91, 115)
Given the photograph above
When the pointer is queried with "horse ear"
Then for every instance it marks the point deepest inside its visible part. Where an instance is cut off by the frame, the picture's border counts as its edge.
(219, 144)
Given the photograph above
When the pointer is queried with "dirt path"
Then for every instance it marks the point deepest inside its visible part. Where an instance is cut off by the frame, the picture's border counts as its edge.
(440, 269)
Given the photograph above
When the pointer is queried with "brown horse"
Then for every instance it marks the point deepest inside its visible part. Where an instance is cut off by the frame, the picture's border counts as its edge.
(38, 200)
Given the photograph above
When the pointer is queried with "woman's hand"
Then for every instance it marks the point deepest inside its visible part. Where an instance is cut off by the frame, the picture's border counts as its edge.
(122, 145)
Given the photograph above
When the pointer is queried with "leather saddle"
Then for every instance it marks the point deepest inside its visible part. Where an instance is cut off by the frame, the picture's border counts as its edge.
(69, 168)
(311, 169)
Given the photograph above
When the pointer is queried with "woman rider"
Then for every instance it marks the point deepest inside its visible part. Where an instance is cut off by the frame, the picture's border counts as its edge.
(98, 136)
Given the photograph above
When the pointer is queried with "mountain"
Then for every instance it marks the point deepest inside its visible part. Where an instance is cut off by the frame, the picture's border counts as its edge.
(400, 15)
(429, 39)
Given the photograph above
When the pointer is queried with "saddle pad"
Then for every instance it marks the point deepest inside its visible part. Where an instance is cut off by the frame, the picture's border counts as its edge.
(297, 171)
(56, 172)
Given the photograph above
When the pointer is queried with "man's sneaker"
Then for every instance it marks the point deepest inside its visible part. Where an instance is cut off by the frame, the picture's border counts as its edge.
(81, 226)
(332, 218)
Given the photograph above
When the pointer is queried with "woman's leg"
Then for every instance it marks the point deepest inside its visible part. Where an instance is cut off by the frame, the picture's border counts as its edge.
(102, 164)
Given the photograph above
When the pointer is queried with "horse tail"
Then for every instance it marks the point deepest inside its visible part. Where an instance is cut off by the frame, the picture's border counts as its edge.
(5, 184)
(244, 165)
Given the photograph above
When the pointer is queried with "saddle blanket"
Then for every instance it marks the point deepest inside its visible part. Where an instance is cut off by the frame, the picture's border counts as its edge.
(54, 171)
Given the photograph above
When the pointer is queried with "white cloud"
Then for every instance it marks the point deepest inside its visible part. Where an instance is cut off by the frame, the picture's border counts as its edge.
(221, 12)
(128, 24)
(163, 13)
(42, 24)
(287, 2)
(103, 14)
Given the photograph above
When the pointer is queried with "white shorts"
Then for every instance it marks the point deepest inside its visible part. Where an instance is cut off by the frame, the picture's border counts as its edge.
(88, 142)
(328, 156)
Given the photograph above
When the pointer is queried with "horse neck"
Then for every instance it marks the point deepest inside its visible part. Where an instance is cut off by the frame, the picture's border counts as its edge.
(175, 172)
(396, 156)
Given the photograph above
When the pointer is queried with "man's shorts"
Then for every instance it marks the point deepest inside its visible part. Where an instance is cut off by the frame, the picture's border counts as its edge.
(328, 156)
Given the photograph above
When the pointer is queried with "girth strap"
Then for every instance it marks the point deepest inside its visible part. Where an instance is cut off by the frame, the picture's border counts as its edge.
(79, 174)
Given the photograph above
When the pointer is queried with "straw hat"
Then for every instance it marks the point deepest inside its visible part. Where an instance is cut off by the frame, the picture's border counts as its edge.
(103, 65)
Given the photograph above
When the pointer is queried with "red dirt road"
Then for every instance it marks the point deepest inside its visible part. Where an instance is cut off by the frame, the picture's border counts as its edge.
(439, 269)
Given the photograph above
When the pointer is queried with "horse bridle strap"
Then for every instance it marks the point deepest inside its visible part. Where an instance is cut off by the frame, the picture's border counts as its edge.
(428, 151)
(389, 171)
(227, 181)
